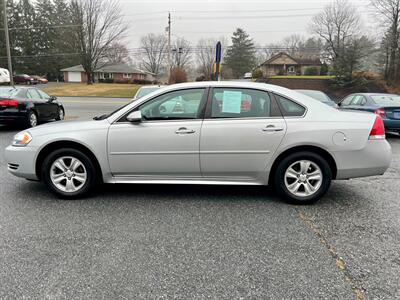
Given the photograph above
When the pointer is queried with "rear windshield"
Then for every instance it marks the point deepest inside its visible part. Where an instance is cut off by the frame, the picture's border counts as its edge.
(386, 100)
(8, 92)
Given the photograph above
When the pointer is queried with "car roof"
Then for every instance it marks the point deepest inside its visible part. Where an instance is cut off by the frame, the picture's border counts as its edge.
(151, 86)
(375, 94)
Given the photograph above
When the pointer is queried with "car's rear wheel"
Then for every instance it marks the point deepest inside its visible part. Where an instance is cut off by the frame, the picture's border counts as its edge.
(69, 173)
(60, 114)
(303, 177)
(32, 119)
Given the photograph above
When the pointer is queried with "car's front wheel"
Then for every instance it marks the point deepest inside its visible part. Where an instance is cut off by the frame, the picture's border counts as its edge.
(60, 114)
(303, 177)
(69, 173)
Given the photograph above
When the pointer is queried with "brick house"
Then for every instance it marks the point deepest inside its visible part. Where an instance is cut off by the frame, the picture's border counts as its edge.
(118, 73)
(284, 64)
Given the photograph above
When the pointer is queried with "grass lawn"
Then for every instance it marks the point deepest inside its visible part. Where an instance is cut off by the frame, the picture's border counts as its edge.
(94, 90)
(304, 77)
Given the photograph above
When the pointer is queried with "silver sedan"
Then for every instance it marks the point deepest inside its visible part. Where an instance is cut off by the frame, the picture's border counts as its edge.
(228, 133)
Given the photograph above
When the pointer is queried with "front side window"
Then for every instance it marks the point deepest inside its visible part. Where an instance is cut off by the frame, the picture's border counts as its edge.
(241, 103)
(183, 104)
(290, 108)
(33, 94)
(358, 100)
(346, 101)
(43, 94)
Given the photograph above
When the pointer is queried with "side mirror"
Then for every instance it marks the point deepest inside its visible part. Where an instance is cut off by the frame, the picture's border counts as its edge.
(52, 98)
(135, 117)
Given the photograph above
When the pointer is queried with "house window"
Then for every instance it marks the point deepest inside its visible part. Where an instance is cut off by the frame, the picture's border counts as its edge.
(127, 75)
(106, 75)
(291, 69)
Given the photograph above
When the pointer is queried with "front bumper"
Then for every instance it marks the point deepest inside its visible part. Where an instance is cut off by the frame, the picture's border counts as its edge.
(21, 161)
(373, 159)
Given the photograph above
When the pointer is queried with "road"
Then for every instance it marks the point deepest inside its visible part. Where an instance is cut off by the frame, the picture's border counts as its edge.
(185, 242)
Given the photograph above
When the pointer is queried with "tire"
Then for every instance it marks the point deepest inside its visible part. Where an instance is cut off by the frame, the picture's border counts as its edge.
(32, 119)
(72, 179)
(60, 114)
(292, 177)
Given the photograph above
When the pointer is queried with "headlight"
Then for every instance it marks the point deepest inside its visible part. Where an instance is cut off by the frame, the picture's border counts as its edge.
(22, 139)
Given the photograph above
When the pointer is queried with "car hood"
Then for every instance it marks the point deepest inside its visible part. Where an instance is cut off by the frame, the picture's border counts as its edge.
(68, 126)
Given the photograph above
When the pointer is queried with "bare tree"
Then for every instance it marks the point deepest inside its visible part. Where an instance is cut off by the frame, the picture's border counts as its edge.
(293, 44)
(102, 25)
(117, 53)
(181, 53)
(339, 26)
(205, 54)
(389, 10)
(153, 48)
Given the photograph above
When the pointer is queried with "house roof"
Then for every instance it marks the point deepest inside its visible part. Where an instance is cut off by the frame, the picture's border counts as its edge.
(109, 68)
(298, 60)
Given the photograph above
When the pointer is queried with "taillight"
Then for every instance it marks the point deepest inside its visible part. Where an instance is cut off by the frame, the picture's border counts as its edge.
(9, 103)
(378, 130)
(380, 112)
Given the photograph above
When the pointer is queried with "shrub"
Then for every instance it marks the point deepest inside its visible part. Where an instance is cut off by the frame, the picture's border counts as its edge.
(311, 71)
(201, 78)
(177, 75)
(141, 81)
(108, 80)
(257, 73)
(324, 70)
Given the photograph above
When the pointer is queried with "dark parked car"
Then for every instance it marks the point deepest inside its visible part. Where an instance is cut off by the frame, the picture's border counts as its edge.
(320, 96)
(385, 105)
(28, 106)
(24, 79)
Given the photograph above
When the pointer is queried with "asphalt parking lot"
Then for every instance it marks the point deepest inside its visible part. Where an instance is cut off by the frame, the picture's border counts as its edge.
(142, 241)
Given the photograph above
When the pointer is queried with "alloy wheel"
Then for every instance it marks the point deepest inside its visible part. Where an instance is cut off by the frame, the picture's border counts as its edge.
(33, 120)
(303, 178)
(68, 174)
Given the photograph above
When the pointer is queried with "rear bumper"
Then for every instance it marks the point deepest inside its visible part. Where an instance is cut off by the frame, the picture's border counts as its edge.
(373, 160)
(21, 161)
(391, 124)
(11, 116)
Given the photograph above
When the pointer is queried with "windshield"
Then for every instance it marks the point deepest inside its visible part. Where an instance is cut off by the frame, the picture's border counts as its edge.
(145, 91)
(320, 96)
(386, 100)
(8, 92)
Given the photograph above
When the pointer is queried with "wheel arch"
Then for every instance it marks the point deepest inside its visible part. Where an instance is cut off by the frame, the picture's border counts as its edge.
(314, 149)
(66, 144)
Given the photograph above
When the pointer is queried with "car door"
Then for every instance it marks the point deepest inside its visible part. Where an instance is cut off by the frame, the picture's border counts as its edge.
(39, 104)
(165, 144)
(52, 106)
(241, 131)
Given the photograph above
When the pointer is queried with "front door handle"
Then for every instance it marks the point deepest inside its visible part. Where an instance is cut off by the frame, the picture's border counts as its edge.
(184, 130)
(272, 128)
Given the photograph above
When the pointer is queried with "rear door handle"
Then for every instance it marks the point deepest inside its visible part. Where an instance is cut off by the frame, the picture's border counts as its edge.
(184, 130)
(272, 128)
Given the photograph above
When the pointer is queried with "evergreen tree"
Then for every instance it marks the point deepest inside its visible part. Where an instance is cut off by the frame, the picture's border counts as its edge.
(241, 55)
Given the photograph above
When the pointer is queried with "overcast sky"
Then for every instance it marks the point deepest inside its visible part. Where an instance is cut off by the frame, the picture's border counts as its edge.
(266, 21)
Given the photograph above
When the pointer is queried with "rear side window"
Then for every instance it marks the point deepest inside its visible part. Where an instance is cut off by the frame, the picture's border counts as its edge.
(290, 108)
(242, 103)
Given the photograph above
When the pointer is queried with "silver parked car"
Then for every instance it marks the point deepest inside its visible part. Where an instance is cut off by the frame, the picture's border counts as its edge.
(228, 133)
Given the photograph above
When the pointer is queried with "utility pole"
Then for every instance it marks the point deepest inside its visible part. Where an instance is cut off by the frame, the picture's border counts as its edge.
(8, 43)
(169, 45)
